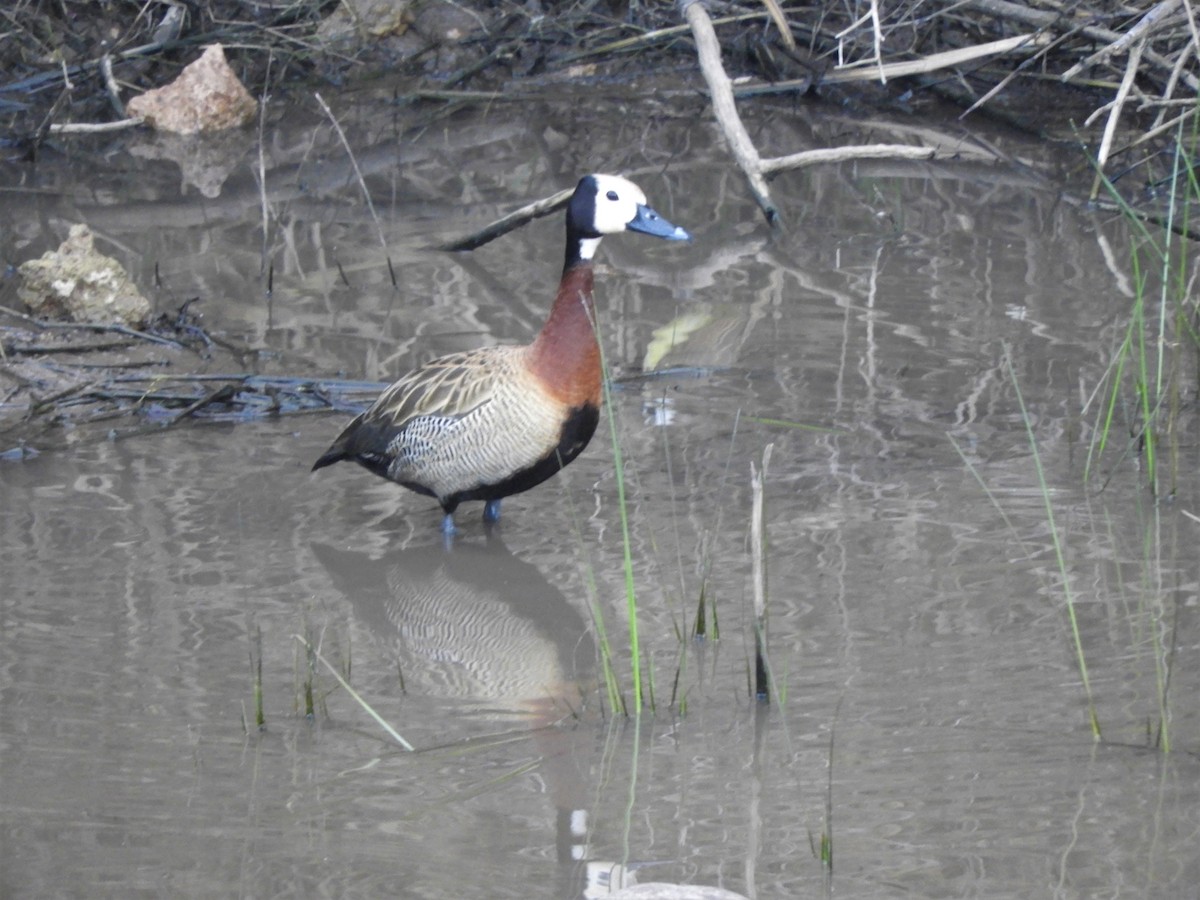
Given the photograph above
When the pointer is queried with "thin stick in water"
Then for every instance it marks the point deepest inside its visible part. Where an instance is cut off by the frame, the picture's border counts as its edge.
(758, 561)
(362, 183)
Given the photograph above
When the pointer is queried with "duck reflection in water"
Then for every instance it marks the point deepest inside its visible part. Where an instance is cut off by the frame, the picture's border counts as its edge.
(479, 625)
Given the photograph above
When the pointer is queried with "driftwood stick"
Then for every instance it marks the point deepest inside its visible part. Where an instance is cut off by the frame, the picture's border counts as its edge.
(1020, 12)
(95, 127)
(868, 70)
(1117, 46)
(1110, 127)
(720, 91)
(513, 220)
(222, 394)
(808, 158)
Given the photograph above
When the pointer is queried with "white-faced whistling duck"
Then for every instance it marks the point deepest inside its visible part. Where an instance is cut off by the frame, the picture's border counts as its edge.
(487, 423)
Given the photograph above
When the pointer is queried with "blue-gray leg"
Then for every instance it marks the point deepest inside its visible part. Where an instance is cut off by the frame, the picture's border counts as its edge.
(491, 511)
(448, 528)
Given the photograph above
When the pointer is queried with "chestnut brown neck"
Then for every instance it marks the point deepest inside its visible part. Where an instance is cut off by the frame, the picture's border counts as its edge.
(565, 356)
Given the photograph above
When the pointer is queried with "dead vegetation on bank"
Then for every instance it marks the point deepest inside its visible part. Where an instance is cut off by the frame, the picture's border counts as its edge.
(1120, 78)
(64, 61)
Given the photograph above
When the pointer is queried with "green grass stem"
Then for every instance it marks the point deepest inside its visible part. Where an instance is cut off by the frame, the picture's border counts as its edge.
(635, 652)
(1154, 337)
(383, 723)
(1060, 557)
(612, 685)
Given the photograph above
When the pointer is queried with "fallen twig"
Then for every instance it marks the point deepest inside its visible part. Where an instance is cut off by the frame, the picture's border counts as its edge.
(91, 326)
(757, 168)
(868, 70)
(95, 127)
(865, 151)
(86, 347)
(1019, 12)
(1110, 127)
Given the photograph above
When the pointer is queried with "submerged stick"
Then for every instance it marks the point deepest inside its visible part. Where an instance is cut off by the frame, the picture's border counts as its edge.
(758, 561)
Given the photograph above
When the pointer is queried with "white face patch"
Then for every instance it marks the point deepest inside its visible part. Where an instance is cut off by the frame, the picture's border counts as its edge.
(617, 201)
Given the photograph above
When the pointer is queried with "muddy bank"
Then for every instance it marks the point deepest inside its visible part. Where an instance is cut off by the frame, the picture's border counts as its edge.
(1079, 74)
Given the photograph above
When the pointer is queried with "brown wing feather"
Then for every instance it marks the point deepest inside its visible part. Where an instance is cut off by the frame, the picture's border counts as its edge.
(448, 387)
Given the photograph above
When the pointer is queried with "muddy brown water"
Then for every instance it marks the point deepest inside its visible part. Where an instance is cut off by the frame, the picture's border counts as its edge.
(929, 713)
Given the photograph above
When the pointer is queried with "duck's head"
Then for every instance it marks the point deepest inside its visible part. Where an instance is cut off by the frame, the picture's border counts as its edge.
(610, 204)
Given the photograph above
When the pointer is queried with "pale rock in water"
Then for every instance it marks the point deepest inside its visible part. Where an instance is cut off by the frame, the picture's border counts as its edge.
(207, 96)
(77, 283)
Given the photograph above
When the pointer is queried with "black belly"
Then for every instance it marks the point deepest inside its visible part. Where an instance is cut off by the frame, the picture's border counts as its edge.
(577, 430)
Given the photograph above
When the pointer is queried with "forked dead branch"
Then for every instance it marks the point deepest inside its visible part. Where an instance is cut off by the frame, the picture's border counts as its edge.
(754, 166)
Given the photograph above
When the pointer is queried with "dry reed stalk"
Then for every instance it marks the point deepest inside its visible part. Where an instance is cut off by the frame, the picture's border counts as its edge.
(934, 62)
